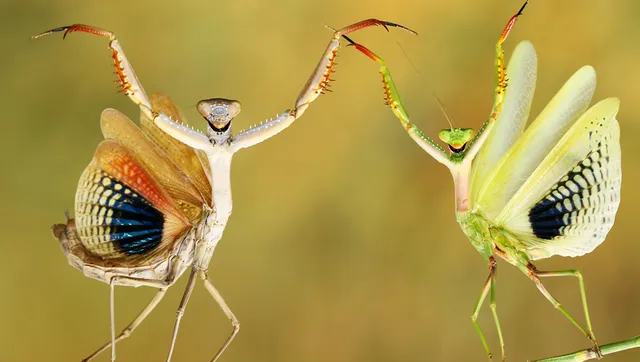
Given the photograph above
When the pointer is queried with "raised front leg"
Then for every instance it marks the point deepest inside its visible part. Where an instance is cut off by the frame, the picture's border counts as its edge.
(317, 84)
(181, 132)
(501, 87)
(127, 79)
(394, 102)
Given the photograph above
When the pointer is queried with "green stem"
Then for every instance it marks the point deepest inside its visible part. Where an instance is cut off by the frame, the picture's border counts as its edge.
(587, 354)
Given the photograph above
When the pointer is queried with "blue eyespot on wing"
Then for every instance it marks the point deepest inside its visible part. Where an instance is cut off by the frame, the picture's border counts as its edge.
(120, 210)
(568, 204)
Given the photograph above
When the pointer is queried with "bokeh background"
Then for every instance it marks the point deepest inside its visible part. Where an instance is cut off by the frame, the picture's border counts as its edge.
(343, 245)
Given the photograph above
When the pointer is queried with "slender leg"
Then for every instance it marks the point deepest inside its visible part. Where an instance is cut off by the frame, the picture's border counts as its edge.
(112, 310)
(583, 294)
(501, 74)
(225, 308)
(501, 87)
(476, 310)
(535, 275)
(183, 304)
(489, 285)
(394, 102)
(131, 327)
(493, 310)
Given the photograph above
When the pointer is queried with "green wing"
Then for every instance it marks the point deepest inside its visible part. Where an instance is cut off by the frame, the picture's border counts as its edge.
(509, 174)
(513, 116)
(568, 204)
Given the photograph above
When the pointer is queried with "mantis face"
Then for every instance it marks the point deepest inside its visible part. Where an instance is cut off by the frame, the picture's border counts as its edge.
(219, 112)
(456, 138)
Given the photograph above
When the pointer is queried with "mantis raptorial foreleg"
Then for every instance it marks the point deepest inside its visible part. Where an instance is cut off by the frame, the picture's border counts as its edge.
(501, 87)
(127, 79)
(394, 102)
(161, 285)
(317, 84)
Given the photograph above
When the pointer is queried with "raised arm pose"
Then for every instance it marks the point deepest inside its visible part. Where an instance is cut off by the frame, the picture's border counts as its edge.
(552, 190)
(156, 199)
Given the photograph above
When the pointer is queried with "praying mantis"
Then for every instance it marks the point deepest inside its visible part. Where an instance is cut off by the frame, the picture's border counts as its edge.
(155, 199)
(553, 189)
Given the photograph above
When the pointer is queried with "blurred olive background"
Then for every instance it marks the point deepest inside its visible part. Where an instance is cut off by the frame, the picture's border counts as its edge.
(343, 244)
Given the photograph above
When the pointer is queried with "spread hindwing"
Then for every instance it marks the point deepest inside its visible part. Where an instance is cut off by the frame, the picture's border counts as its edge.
(112, 219)
(583, 196)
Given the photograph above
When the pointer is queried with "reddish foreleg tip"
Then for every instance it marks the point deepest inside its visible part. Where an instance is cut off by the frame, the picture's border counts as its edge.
(386, 23)
(364, 50)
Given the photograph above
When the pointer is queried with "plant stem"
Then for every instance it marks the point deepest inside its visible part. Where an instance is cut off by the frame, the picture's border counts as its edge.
(587, 354)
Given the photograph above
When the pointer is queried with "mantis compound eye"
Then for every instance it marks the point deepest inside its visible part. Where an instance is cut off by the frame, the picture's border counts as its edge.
(219, 112)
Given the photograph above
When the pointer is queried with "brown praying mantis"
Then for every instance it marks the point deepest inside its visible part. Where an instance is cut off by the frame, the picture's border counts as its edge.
(155, 199)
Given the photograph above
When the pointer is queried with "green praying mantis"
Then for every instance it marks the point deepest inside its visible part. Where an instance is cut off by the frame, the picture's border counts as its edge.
(553, 189)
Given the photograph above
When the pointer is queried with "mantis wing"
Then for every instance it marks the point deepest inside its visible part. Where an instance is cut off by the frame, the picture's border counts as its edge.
(568, 204)
(512, 117)
(508, 175)
(193, 163)
(119, 127)
(121, 210)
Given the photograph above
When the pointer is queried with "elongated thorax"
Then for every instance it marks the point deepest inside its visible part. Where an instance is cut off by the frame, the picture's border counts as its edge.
(219, 158)
(461, 180)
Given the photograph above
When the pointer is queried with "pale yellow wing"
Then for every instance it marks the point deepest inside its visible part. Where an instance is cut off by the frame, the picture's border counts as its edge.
(190, 161)
(568, 204)
(521, 73)
(119, 127)
(541, 136)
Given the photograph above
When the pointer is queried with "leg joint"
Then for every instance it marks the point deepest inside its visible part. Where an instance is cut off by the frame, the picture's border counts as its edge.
(125, 333)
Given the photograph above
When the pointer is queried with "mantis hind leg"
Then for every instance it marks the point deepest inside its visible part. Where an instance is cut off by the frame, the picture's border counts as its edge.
(132, 326)
(535, 275)
(489, 286)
